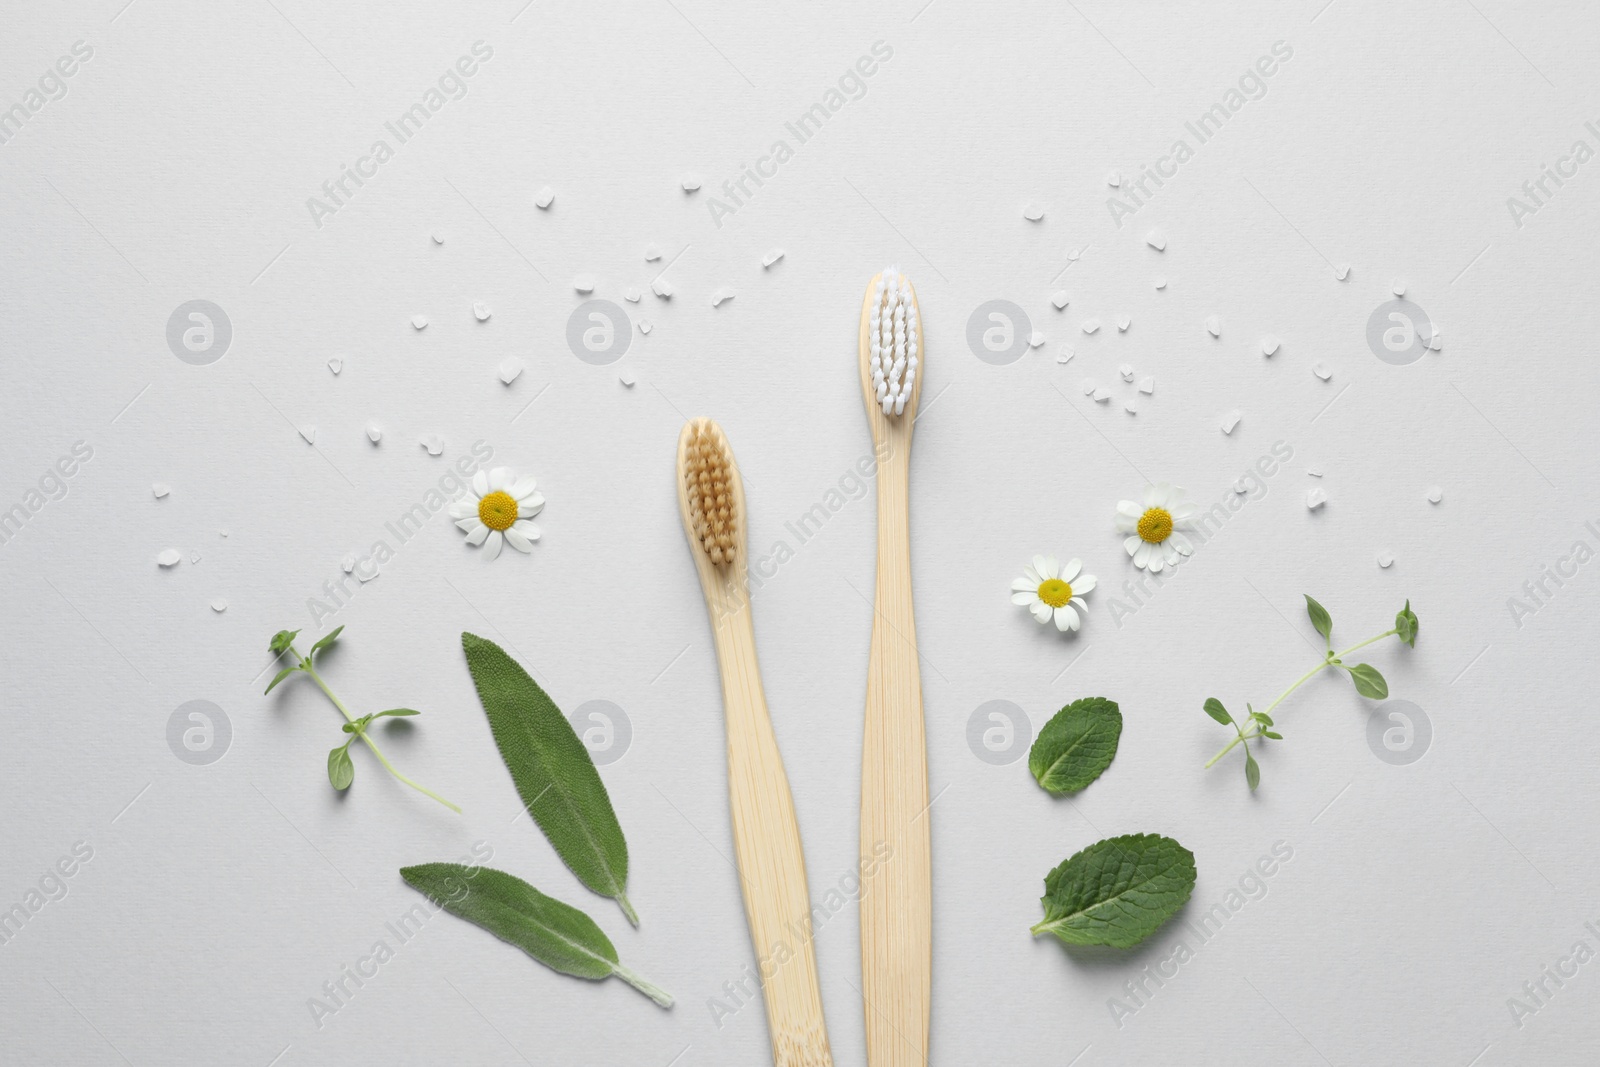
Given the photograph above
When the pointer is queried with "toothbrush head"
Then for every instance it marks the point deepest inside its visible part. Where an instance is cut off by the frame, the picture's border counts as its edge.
(711, 501)
(894, 339)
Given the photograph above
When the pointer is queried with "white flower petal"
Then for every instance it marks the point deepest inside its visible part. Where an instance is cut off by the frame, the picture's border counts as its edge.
(480, 482)
(499, 478)
(1041, 565)
(1131, 544)
(1126, 525)
(1041, 611)
(1032, 575)
(517, 541)
(1141, 556)
(1054, 565)
(1181, 543)
(1128, 509)
(1024, 599)
(1155, 495)
(469, 524)
(1019, 584)
(530, 507)
(526, 529)
(523, 488)
(1084, 584)
(1184, 512)
(1170, 551)
(1065, 617)
(1155, 563)
(462, 508)
(1076, 619)
(492, 546)
(1081, 604)
(1070, 571)
(477, 534)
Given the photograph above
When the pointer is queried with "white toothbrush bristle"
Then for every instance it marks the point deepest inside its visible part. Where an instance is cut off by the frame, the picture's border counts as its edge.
(894, 337)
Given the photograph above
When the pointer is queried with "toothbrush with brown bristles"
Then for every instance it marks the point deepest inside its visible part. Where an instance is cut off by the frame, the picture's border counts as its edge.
(766, 835)
(897, 902)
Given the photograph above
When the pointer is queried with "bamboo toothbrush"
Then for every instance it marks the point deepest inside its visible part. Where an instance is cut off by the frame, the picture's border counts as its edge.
(766, 836)
(897, 904)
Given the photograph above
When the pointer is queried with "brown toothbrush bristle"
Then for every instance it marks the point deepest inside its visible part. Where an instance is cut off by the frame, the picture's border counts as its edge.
(709, 483)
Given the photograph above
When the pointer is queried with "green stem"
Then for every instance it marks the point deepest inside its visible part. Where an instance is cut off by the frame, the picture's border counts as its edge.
(315, 677)
(627, 908)
(649, 989)
(1331, 660)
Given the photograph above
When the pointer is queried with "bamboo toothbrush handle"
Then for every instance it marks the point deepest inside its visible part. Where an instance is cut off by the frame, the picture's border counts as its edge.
(772, 867)
(897, 901)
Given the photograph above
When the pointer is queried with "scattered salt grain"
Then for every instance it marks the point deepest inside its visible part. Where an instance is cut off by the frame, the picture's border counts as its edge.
(771, 257)
(1147, 384)
(160, 489)
(1435, 494)
(1123, 323)
(1342, 271)
(1315, 498)
(544, 198)
(691, 182)
(1130, 407)
(652, 252)
(1060, 299)
(1161, 281)
(1126, 370)
(347, 564)
(584, 283)
(432, 442)
(336, 364)
(1114, 178)
(1230, 420)
(438, 238)
(194, 557)
(367, 570)
(1064, 354)
(661, 288)
(1315, 472)
(1101, 395)
(626, 378)
(631, 294)
(1091, 325)
(1088, 386)
(374, 432)
(1035, 339)
(510, 369)
(1156, 240)
(480, 311)
(219, 605)
(1320, 369)
(419, 322)
(1214, 326)
(1385, 559)
(1033, 212)
(1399, 289)
(721, 295)
(170, 557)
(644, 326)
(309, 432)
(1269, 345)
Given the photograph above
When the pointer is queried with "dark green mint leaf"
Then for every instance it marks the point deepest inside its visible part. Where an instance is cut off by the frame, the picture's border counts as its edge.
(1118, 891)
(1076, 745)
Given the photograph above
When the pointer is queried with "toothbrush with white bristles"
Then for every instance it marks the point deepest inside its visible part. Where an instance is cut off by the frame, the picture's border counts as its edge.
(897, 900)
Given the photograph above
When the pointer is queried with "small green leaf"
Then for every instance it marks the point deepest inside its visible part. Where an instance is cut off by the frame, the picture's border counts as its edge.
(1320, 619)
(1369, 683)
(557, 935)
(341, 772)
(1252, 771)
(1118, 891)
(1076, 745)
(1215, 709)
(395, 711)
(324, 641)
(1406, 625)
(281, 676)
(281, 641)
(1272, 734)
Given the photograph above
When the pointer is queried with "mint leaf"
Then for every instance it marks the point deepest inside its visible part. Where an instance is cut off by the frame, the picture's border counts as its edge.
(1076, 745)
(552, 770)
(1215, 709)
(341, 772)
(1118, 891)
(1252, 770)
(1406, 624)
(1369, 683)
(323, 642)
(557, 935)
(1320, 619)
(281, 676)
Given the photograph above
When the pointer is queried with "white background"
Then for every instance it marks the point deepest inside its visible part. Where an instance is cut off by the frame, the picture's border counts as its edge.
(220, 898)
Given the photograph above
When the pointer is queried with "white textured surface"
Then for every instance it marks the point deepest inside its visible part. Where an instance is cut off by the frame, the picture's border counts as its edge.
(177, 167)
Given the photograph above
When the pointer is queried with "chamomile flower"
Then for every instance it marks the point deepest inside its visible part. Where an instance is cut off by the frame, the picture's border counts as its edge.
(1052, 591)
(1153, 538)
(499, 511)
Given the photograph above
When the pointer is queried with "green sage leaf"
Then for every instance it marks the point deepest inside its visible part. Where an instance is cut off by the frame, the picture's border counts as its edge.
(1118, 891)
(1406, 625)
(1215, 709)
(557, 935)
(281, 676)
(1252, 770)
(552, 771)
(341, 772)
(1076, 745)
(1320, 619)
(1369, 683)
(324, 641)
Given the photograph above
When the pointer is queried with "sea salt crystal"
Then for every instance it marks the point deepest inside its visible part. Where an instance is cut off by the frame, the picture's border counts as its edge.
(661, 288)
(1320, 369)
(419, 322)
(1156, 240)
(1064, 354)
(1091, 325)
(309, 432)
(1342, 271)
(1114, 178)
(336, 364)
(1214, 326)
(1123, 323)
(631, 294)
(432, 442)
(1060, 299)
(691, 182)
(480, 311)
(170, 557)
(1269, 345)
(1126, 370)
(160, 489)
(1033, 212)
(1230, 420)
(1035, 339)
(584, 283)
(1315, 498)
(1385, 559)
(194, 557)
(652, 252)
(644, 326)
(1130, 407)
(438, 238)
(1102, 395)
(1147, 384)
(1161, 281)
(1435, 494)
(374, 432)
(626, 378)
(219, 605)
(347, 564)
(771, 257)
(510, 369)
(1088, 386)
(544, 198)
(721, 295)
(1399, 289)
(1315, 472)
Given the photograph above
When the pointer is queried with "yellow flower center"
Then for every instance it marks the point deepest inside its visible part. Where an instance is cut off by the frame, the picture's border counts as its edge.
(1155, 525)
(498, 510)
(1055, 592)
